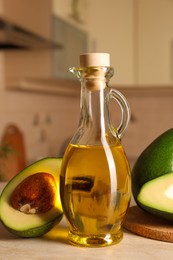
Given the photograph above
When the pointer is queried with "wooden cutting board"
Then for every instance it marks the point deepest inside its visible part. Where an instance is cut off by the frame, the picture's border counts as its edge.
(144, 224)
(15, 160)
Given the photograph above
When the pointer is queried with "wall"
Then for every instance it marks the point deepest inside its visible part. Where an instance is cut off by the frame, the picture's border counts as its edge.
(45, 120)
(21, 11)
(151, 115)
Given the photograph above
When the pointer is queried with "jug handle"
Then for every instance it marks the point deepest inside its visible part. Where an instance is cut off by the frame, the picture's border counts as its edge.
(125, 110)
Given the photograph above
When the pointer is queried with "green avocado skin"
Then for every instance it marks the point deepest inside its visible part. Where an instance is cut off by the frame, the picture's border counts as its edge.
(162, 214)
(35, 232)
(156, 160)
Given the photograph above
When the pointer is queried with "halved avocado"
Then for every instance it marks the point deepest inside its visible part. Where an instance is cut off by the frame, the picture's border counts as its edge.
(30, 203)
(156, 196)
(152, 177)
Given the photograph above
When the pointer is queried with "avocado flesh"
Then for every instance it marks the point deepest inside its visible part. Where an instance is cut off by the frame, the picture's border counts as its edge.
(31, 225)
(156, 196)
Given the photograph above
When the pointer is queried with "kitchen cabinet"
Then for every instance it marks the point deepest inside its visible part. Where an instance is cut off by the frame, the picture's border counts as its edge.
(34, 16)
(111, 28)
(33, 57)
(23, 65)
(139, 36)
(74, 42)
(154, 37)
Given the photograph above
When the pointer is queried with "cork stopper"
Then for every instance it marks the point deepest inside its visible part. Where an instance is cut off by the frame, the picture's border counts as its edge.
(95, 77)
(94, 59)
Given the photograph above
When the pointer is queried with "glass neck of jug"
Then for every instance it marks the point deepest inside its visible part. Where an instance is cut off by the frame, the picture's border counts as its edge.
(94, 113)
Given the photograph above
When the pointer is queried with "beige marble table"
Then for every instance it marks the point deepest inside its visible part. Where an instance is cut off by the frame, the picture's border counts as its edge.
(54, 245)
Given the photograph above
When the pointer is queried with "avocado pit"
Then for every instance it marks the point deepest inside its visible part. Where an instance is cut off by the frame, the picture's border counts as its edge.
(36, 194)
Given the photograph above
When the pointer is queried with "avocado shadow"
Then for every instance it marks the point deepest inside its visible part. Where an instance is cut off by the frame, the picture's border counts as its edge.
(5, 234)
(59, 233)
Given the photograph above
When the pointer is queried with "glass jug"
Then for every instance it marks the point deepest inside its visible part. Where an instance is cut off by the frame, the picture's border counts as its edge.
(95, 185)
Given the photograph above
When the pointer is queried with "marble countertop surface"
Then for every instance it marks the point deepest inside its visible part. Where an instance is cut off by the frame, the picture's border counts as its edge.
(55, 245)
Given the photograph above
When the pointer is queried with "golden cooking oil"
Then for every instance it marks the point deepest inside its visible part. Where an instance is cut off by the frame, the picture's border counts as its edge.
(96, 193)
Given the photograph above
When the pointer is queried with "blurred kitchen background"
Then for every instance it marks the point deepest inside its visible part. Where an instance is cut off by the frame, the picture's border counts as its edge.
(41, 39)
